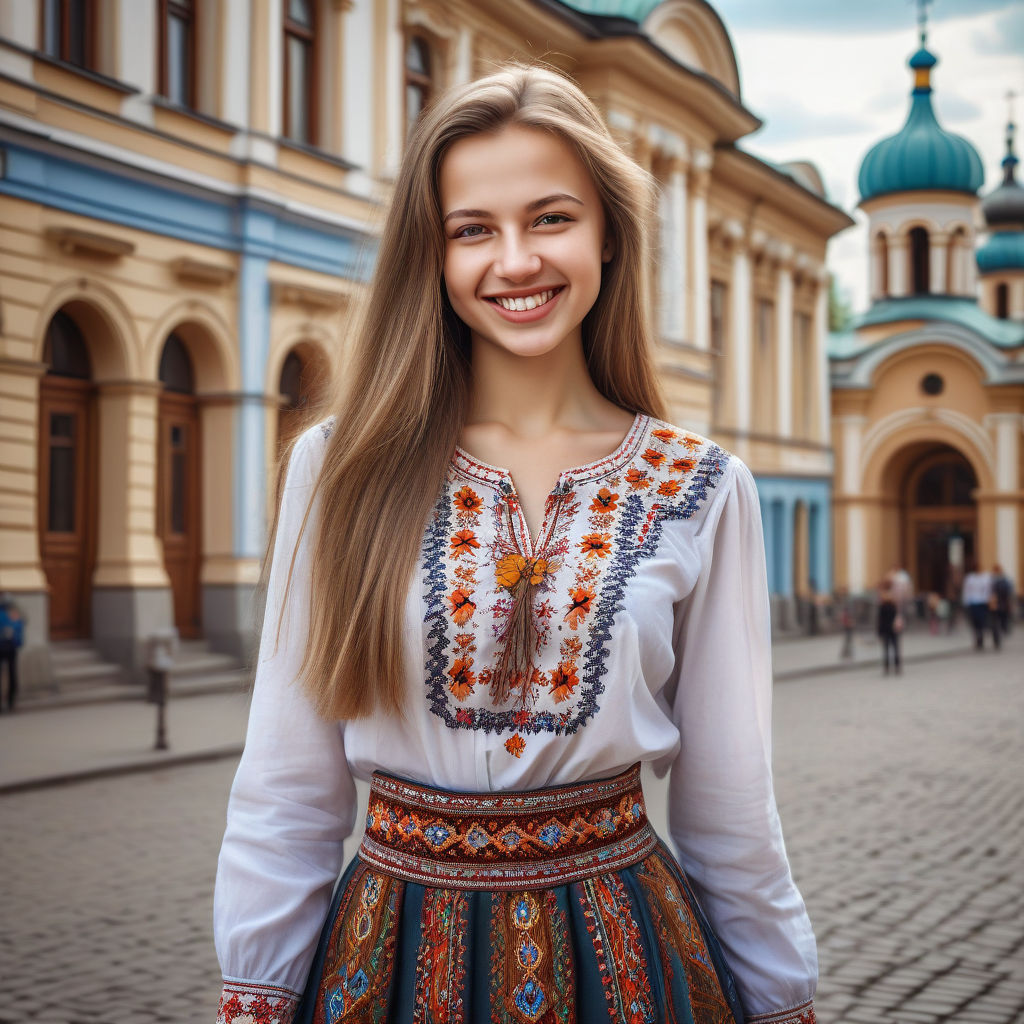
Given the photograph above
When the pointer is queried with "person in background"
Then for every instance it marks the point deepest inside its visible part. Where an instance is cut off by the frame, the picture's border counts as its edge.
(846, 621)
(1002, 598)
(890, 625)
(12, 636)
(902, 590)
(977, 596)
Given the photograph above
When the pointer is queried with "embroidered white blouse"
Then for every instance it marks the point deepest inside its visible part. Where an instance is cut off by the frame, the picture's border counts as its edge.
(653, 645)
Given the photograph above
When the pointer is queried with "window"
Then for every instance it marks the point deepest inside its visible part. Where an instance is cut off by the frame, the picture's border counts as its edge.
(418, 81)
(177, 57)
(300, 71)
(1003, 300)
(919, 264)
(804, 373)
(69, 28)
(763, 391)
(882, 244)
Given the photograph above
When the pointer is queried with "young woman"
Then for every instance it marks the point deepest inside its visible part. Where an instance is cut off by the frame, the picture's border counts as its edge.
(500, 581)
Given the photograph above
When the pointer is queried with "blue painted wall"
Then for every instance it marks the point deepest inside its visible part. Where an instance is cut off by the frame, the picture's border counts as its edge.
(779, 497)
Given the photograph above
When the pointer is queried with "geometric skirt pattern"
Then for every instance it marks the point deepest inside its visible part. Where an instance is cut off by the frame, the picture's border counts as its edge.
(556, 906)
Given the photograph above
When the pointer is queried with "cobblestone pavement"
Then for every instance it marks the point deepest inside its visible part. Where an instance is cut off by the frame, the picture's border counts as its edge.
(901, 800)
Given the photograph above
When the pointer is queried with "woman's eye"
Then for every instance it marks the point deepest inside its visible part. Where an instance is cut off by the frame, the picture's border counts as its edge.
(469, 231)
(553, 218)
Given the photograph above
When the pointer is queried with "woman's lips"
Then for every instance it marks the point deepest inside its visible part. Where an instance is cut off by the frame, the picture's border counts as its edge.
(522, 316)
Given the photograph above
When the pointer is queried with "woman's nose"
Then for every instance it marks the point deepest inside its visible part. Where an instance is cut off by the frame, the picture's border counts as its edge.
(517, 259)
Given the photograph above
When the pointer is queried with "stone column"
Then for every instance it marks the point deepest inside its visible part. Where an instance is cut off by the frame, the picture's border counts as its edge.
(391, 80)
(1007, 426)
(235, 40)
(700, 278)
(850, 442)
(672, 269)
(266, 67)
(21, 567)
(1016, 297)
(879, 259)
(939, 245)
(357, 113)
(784, 342)
(820, 416)
(899, 269)
(740, 324)
(131, 592)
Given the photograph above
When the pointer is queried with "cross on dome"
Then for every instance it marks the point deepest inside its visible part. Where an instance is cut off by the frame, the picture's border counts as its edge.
(922, 19)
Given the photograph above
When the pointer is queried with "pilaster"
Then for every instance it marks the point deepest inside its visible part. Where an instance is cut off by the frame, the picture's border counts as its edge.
(700, 278)
(899, 268)
(784, 342)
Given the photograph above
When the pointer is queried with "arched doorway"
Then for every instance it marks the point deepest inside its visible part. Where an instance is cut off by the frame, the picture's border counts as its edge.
(178, 479)
(67, 477)
(941, 519)
(303, 389)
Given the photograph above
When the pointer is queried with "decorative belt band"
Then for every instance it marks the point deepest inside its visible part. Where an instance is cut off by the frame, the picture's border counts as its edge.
(530, 839)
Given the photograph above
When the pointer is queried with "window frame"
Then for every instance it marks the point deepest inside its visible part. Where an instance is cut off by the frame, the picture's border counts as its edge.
(63, 54)
(189, 14)
(416, 79)
(307, 34)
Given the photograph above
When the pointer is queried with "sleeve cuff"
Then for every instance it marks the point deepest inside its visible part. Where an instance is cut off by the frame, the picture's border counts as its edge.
(244, 1002)
(802, 1014)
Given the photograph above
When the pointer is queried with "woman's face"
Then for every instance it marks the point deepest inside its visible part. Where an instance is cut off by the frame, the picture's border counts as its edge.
(524, 239)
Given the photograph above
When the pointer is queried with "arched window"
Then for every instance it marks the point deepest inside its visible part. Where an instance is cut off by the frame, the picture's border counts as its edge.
(418, 78)
(176, 366)
(1003, 300)
(69, 31)
(920, 264)
(64, 348)
(300, 71)
(956, 249)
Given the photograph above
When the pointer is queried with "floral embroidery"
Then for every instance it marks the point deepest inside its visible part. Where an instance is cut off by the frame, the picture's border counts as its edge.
(243, 1003)
(802, 1014)
(441, 958)
(518, 629)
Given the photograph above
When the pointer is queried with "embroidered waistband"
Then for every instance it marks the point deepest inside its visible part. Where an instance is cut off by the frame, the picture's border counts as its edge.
(522, 840)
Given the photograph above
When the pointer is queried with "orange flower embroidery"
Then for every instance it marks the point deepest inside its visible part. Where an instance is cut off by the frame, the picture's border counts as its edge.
(692, 443)
(596, 545)
(663, 434)
(605, 501)
(654, 457)
(512, 568)
(681, 465)
(669, 488)
(581, 598)
(467, 500)
(515, 745)
(462, 605)
(463, 543)
(563, 681)
(463, 678)
(637, 478)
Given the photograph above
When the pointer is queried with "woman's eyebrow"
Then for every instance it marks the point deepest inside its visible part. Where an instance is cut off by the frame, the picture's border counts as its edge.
(536, 204)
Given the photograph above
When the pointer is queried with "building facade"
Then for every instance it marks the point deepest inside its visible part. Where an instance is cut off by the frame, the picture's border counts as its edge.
(189, 198)
(928, 389)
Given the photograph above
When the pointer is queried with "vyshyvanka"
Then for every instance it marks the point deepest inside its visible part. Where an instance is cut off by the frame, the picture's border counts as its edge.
(508, 871)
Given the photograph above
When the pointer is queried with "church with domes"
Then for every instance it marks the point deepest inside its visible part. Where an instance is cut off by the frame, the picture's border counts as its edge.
(927, 388)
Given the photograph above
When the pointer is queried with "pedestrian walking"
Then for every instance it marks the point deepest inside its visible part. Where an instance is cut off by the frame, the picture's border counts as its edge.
(499, 582)
(1002, 598)
(902, 591)
(846, 622)
(12, 637)
(978, 599)
(890, 626)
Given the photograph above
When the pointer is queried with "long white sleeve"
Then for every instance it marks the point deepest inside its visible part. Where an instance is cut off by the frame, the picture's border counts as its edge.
(722, 812)
(293, 799)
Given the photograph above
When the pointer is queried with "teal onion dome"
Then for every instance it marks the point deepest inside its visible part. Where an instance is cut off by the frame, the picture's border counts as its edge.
(922, 155)
(1004, 205)
(629, 10)
(1002, 251)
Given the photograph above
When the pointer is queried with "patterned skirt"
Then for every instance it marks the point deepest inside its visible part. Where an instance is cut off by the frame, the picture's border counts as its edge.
(556, 905)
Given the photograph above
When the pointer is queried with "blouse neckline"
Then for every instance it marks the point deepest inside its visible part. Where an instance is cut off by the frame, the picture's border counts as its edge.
(593, 470)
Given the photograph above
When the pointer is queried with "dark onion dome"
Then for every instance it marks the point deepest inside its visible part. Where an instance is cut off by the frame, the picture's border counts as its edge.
(922, 155)
(1005, 204)
(1002, 251)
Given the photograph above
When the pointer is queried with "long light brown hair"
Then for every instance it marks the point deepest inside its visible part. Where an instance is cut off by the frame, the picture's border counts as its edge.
(401, 410)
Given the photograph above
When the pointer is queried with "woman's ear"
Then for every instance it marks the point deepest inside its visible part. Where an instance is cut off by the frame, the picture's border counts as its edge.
(608, 251)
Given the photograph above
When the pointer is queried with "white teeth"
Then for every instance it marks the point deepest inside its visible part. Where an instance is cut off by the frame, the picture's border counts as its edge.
(527, 302)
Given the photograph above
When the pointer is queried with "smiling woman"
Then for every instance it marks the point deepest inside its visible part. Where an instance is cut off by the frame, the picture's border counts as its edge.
(499, 583)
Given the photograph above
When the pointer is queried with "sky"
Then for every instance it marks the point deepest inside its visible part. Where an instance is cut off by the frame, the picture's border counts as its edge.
(829, 79)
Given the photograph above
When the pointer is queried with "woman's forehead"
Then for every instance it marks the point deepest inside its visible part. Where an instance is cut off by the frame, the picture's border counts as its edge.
(509, 168)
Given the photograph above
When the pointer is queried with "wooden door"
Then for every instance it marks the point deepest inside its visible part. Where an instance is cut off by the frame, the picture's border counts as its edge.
(178, 506)
(67, 501)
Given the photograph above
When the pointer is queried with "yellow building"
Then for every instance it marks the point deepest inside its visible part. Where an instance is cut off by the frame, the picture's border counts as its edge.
(928, 390)
(189, 198)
